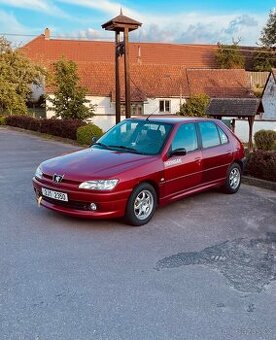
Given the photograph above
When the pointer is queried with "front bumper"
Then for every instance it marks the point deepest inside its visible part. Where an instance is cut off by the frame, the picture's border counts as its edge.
(109, 204)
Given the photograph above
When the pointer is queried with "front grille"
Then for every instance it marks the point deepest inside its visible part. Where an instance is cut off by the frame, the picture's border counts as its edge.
(70, 204)
(64, 180)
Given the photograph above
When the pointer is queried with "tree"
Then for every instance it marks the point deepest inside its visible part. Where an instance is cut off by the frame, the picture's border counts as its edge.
(264, 59)
(229, 56)
(268, 34)
(195, 106)
(17, 73)
(69, 98)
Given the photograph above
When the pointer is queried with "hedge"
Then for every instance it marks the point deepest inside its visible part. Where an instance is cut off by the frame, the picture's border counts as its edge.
(87, 132)
(265, 139)
(57, 127)
(2, 120)
(262, 164)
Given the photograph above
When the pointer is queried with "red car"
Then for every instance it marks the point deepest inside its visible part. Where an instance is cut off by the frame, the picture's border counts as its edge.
(140, 164)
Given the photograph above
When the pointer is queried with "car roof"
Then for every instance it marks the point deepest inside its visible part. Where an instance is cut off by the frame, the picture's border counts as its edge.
(171, 119)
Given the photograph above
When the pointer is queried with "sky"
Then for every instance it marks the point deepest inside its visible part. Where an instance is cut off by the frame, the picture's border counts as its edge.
(173, 21)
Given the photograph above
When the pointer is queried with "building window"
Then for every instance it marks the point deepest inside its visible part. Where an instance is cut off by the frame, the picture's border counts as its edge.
(137, 109)
(164, 106)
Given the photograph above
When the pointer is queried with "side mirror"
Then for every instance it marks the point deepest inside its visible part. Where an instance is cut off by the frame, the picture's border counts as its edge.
(178, 152)
(94, 140)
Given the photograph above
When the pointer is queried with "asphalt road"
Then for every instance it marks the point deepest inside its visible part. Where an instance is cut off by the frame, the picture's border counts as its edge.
(203, 268)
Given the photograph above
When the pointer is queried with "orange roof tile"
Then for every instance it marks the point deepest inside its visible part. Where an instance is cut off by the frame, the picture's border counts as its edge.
(145, 80)
(156, 69)
(220, 83)
(42, 50)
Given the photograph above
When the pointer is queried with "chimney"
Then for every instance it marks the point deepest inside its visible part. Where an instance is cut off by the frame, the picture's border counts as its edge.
(139, 59)
(47, 33)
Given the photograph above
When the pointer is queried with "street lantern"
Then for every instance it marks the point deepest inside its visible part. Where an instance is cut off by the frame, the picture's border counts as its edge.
(123, 24)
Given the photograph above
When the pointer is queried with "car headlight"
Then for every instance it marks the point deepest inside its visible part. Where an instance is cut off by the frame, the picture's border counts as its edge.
(102, 184)
(38, 173)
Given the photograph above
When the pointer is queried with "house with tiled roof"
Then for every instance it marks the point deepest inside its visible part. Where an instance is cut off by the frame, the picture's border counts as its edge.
(269, 97)
(162, 76)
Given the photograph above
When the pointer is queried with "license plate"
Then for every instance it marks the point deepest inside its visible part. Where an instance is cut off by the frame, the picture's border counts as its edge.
(57, 195)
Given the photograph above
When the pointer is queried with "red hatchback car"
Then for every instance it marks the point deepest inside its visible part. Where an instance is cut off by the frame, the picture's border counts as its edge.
(140, 164)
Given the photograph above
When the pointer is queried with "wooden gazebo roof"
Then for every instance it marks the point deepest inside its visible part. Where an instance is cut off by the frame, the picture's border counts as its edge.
(234, 107)
(120, 22)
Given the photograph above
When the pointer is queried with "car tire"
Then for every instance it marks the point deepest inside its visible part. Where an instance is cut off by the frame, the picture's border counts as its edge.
(233, 179)
(141, 205)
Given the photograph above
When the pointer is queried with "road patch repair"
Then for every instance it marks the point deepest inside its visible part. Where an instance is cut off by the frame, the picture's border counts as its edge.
(249, 265)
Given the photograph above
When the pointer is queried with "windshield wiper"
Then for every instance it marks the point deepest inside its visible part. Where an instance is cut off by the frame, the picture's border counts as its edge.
(101, 144)
(124, 148)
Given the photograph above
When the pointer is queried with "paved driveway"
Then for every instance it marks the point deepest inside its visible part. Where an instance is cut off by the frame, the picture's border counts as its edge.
(203, 268)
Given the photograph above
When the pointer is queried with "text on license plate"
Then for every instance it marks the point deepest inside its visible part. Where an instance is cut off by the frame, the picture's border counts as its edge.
(57, 195)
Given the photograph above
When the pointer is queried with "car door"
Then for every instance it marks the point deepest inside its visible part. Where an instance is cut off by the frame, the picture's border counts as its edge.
(217, 153)
(182, 172)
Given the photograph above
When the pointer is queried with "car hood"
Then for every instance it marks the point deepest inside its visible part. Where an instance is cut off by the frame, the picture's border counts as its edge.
(98, 163)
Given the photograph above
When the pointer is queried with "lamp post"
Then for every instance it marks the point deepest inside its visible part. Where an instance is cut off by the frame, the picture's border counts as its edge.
(123, 24)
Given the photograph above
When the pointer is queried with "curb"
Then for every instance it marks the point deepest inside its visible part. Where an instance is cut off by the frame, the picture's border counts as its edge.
(261, 183)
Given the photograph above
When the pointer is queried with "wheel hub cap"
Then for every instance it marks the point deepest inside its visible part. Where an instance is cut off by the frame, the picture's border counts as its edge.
(143, 204)
(234, 178)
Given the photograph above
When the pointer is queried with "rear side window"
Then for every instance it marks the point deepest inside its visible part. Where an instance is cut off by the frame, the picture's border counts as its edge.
(185, 138)
(223, 137)
(209, 134)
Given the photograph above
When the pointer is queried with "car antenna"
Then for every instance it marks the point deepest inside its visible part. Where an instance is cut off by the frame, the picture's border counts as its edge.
(151, 114)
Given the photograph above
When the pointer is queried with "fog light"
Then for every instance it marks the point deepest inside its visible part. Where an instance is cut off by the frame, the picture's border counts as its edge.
(93, 206)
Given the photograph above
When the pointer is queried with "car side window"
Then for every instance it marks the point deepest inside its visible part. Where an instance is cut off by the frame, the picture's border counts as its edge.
(186, 138)
(223, 136)
(209, 134)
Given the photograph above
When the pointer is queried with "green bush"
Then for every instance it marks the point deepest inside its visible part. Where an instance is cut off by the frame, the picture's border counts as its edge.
(195, 106)
(265, 139)
(262, 164)
(87, 132)
(2, 120)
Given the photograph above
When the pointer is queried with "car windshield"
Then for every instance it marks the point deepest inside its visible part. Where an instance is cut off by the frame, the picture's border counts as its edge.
(136, 136)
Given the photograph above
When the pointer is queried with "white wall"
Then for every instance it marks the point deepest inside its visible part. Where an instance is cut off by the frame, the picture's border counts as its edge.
(49, 112)
(105, 109)
(152, 105)
(242, 128)
(269, 99)
(104, 106)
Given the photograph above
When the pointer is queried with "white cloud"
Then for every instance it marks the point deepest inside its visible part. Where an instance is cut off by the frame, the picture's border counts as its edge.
(9, 21)
(106, 6)
(10, 24)
(190, 28)
(193, 27)
(36, 5)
